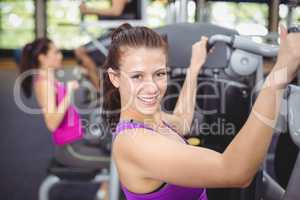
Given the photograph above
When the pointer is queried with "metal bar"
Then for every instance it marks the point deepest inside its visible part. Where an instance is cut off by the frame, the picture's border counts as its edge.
(183, 11)
(273, 15)
(40, 18)
(201, 11)
(114, 186)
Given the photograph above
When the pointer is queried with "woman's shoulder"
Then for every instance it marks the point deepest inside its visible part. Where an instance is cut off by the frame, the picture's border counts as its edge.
(42, 83)
(128, 147)
(128, 152)
(40, 79)
(128, 131)
(130, 137)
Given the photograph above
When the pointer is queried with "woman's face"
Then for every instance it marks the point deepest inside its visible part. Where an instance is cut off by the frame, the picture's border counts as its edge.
(142, 79)
(53, 58)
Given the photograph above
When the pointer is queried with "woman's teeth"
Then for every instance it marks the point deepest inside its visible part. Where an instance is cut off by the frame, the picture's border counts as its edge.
(148, 100)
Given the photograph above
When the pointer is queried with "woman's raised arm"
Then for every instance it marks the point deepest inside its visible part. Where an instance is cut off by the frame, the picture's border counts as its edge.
(185, 105)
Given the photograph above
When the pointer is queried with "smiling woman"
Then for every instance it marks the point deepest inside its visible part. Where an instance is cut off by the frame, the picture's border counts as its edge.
(135, 83)
(141, 81)
(145, 79)
(146, 138)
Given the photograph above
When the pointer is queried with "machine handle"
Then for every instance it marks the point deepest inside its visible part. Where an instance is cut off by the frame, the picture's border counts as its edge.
(246, 44)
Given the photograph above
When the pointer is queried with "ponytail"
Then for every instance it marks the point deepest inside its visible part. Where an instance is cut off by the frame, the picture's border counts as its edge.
(29, 61)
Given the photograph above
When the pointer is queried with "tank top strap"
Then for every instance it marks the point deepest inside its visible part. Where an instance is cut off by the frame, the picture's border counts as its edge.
(131, 124)
(171, 127)
(39, 77)
(123, 125)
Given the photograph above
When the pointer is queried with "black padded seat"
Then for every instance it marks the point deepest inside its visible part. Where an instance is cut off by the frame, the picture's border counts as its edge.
(58, 173)
(71, 173)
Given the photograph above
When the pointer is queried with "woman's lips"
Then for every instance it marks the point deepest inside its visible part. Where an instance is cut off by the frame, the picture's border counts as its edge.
(148, 100)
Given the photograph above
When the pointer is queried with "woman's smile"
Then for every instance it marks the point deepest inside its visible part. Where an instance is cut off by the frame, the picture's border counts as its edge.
(149, 100)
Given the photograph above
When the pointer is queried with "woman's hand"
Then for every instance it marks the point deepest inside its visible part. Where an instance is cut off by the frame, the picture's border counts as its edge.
(199, 54)
(288, 59)
(83, 9)
(72, 86)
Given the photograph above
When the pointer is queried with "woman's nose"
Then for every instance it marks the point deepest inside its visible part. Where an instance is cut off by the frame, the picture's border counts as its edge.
(150, 87)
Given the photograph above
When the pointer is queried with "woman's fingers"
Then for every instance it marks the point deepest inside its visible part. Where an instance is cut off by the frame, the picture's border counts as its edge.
(211, 50)
(74, 85)
(204, 38)
(282, 31)
(199, 53)
(202, 42)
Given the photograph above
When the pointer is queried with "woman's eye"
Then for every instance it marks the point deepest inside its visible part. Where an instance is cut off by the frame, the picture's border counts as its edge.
(161, 74)
(138, 76)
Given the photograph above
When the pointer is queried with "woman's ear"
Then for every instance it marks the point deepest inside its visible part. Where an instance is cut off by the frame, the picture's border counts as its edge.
(114, 77)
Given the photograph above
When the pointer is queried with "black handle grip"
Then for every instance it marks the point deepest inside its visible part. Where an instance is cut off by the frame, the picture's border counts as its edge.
(209, 46)
(294, 29)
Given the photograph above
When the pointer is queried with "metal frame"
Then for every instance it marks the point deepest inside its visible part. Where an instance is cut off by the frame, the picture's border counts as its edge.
(52, 180)
(40, 17)
(115, 23)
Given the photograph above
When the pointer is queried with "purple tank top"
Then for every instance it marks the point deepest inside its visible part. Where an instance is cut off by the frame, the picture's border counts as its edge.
(168, 191)
(70, 128)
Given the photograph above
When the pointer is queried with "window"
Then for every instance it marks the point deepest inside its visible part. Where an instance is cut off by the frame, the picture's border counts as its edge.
(247, 18)
(16, 23)
(296, 16)
(283, 13)
(63, 22)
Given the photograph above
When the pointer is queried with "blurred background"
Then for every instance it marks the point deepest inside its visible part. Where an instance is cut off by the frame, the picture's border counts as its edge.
(18, 19)
(25, 143)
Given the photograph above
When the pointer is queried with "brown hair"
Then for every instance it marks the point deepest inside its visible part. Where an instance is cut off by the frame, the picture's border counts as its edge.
(29, 60)
(125, 36)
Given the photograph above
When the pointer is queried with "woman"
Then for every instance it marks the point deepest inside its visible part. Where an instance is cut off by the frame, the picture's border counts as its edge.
(152, 159)
(116, 9)
(40, 59)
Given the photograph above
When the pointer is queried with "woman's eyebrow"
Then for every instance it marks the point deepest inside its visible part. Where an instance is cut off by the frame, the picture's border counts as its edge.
(161, 69)
(136, 72)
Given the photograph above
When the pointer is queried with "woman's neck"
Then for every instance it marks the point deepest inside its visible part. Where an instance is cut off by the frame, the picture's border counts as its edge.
(151, 120)
(46, 72)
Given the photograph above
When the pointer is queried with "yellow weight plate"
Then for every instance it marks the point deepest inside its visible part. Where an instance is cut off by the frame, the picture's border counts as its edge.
(194, 141)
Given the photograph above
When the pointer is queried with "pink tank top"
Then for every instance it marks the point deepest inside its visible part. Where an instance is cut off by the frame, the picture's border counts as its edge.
(70, 128)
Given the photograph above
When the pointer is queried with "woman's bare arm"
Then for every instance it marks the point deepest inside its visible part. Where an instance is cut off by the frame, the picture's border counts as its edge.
(255, 136)
(159, 158)
(53, 114)
(116, 9)
(185, 105)
(150, 155)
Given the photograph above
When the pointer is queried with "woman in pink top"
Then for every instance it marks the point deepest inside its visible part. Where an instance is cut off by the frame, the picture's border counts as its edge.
(152, 160)
(39, 61)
